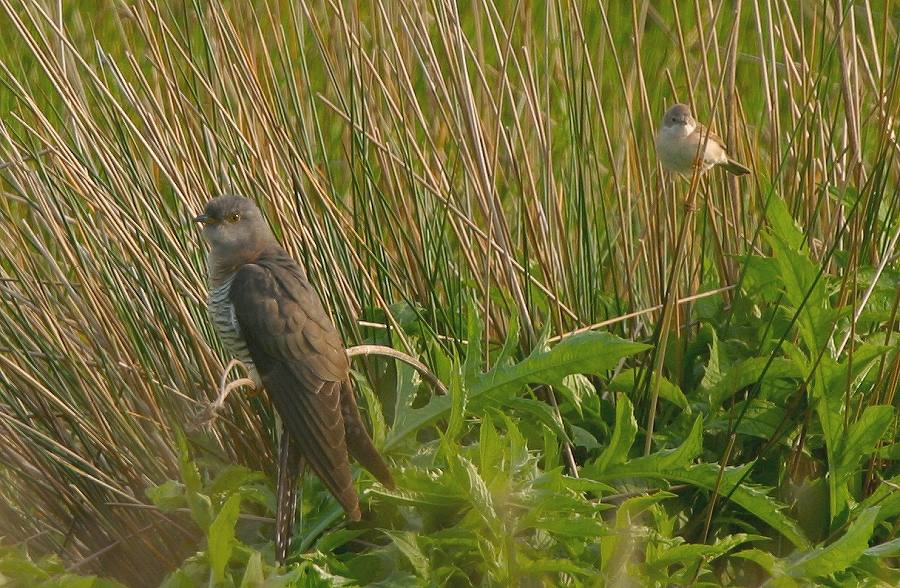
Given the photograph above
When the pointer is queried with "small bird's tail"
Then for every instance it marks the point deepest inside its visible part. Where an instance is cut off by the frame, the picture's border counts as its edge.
(733, 167)
(290, 466)
(358, 441)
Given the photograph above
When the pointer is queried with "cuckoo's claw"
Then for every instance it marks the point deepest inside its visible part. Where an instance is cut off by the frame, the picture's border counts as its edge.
(208, 414)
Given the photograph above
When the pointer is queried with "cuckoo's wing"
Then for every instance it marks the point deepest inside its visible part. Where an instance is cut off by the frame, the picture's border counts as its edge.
(302, 362)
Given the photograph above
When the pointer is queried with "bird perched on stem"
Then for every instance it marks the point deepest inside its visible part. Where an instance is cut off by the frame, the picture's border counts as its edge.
(682, 144)
(270, 317)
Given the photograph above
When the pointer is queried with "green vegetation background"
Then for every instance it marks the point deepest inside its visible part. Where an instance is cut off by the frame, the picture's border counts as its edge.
(652, 381)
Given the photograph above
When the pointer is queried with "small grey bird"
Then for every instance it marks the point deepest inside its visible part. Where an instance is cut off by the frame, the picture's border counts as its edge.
(680, 139)
(270, 317)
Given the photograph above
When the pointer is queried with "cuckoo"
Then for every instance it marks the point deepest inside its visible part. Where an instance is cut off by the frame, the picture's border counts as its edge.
(270, 318)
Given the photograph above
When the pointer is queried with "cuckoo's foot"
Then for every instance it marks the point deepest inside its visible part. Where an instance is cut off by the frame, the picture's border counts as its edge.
(208, 414)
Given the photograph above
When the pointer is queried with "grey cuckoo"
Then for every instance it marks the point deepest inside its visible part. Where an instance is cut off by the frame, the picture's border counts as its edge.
(270, 318)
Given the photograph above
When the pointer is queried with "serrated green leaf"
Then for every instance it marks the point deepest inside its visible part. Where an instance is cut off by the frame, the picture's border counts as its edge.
(838, 556)
(863, 437)
(406, 542)
(712, 375)
(751, 498)
(623, 435)
(587, 353)
(584, 353)
(221, 536)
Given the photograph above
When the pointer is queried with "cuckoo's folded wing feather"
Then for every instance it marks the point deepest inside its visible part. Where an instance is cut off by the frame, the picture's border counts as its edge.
(302, 362)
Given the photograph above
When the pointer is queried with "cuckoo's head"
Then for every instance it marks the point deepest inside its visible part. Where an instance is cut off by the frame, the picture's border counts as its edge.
(235, 229)
(679, 116)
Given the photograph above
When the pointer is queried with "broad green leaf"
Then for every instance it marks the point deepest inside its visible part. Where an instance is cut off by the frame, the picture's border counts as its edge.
(190, 475)
(762, 419)
(765, 559)
(824, 561)
(406, 542)
(886, 497)
(751, 498)
(334, 539)
(577, 389)
(886, 549)
(804, 288)
(253, 573)
(688, 553)
(746, 373)
(546, 565)
(617, 548)
(863, 437)
(585, 353)
(167, 496)
(221, 536)
(712, 375)
(624, 383)
(490, 448)
(622, 437)
(232, 478)
(478, 494)
(572, 526)
(458, 401)
(829, 390)
(666, 459)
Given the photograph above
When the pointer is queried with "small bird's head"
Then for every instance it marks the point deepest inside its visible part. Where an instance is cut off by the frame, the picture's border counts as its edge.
(235, 229)
(678, 116)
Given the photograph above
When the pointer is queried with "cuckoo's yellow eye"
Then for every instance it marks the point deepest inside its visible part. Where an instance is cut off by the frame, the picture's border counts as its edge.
(234, 217)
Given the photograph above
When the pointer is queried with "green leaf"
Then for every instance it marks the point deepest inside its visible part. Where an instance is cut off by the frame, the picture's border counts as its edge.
(406, 542)
(584, 353)
(190, 475)
(233, 478)
(577, 389)
(477, 492)
(842, 553)
(458, 401)
(765, 559)
(167, 496)
(863, 437)
(712, 375)
(688, 553)
(887, 549)
(625, 383)
(221, 536)
(746, 373)
(253, 573)
(668, 459)
(623, 435)
(803, 287)
(618, 547)
(751, 498)
(587, 353)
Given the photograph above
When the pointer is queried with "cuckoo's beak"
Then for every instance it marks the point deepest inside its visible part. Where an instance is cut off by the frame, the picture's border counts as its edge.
(203, 218)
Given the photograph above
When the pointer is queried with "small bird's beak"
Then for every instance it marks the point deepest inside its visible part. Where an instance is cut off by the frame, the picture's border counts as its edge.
(202, 218)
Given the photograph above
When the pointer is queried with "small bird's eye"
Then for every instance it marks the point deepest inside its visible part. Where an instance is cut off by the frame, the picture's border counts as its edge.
(234, 217)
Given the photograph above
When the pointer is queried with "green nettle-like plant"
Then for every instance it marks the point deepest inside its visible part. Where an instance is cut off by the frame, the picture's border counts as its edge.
(651, 381)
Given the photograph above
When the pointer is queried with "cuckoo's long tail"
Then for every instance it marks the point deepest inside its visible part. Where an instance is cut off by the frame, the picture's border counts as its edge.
(358, 441)
(290, 466)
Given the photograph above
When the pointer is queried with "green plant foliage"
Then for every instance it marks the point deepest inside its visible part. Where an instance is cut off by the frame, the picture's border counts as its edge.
(651, 381)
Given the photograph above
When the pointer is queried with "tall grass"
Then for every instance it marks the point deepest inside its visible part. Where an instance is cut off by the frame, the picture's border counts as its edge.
(425, 160)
